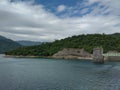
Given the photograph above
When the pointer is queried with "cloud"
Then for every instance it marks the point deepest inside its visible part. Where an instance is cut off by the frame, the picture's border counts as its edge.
(112, 5)
(61, 8)
(28, 21)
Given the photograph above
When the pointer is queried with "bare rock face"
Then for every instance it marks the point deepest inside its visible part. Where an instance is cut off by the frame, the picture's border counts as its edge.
(71, 53)
(98, 55)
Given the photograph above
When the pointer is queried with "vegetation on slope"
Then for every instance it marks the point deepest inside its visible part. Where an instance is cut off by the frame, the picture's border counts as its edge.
(88, 42)
(7, 44)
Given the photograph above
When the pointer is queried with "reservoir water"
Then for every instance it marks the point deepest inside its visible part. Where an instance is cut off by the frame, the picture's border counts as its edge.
(51, 74)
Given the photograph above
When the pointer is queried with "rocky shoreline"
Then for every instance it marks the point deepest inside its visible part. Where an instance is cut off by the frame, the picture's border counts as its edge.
(72, 53)
(20, 56)
(50, 57)
(66, 58)
(66, 53)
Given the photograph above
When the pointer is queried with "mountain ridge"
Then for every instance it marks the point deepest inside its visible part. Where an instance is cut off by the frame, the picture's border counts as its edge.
(7, 44)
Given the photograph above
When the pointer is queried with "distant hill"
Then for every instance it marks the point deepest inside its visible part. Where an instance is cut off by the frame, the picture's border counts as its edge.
(116, 34)
(7, 44)
(88, 42)
(29, 43)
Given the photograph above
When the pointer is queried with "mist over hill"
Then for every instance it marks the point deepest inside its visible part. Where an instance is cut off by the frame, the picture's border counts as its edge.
(29, 43)
(7, 44)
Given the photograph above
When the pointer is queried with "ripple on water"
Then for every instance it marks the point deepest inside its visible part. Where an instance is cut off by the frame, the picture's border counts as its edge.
(45, 74)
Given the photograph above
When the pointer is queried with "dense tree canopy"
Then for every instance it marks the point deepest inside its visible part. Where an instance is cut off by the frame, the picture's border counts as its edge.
(88, 42)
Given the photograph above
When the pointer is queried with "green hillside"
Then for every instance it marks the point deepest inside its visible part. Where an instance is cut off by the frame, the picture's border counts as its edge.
(88, 42)
(7, 44)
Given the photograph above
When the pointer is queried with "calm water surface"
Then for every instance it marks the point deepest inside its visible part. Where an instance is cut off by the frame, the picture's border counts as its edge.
(48, 74)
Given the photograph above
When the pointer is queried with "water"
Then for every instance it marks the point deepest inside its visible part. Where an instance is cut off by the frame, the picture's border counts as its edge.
(48, 74)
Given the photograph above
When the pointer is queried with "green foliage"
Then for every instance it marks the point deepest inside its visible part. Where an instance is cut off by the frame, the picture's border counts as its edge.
(88, 42)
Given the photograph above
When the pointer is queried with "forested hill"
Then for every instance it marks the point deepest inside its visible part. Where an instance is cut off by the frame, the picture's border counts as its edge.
(88, 42)
(7, 44)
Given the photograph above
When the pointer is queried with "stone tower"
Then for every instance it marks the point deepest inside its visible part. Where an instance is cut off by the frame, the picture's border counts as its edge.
(98, 55)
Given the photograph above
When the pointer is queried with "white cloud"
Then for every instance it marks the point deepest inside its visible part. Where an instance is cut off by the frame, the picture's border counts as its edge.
(25, 21)
(85, 10)
(61, 8)
(113, 5)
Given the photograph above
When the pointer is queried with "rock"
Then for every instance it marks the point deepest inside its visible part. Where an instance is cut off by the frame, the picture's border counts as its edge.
(72, 53)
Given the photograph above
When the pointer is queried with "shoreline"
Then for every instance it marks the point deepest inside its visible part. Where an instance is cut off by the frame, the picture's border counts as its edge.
(48, 57)
(15, 56)
(51, 57)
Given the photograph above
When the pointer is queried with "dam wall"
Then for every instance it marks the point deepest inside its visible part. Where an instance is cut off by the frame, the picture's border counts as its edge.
(111, 58)
(98, 56)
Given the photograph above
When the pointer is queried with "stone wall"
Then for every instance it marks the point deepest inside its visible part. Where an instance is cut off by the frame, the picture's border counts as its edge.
(112, 58)
(97, 56)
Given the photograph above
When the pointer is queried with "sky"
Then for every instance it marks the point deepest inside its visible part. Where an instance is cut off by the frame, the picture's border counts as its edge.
(49, 20)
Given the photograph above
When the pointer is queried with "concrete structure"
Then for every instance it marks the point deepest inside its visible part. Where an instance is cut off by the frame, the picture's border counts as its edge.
(112, 56)
(98, 55)
(112, 53)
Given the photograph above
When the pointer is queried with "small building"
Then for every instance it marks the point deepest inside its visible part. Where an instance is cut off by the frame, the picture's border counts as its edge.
(98, 55)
